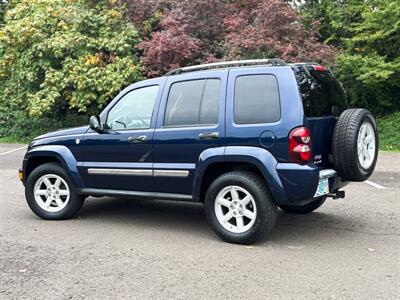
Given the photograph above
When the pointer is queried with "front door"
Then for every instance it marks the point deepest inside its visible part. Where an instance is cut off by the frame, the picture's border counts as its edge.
(121, 158)
(190, 120)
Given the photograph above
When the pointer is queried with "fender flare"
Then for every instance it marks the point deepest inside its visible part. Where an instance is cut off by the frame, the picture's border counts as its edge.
(63, 155)
(259, 157)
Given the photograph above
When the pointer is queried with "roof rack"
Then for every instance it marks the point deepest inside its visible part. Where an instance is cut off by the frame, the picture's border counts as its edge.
(227, 64)
(305, 63)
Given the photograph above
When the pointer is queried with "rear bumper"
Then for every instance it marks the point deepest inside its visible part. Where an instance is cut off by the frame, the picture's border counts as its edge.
(300, 182)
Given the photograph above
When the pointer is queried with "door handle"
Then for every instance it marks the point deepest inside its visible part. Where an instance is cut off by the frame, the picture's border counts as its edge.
(137, 139)
(209, 135)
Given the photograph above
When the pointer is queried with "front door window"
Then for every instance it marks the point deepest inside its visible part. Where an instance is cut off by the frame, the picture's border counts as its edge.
(134, 110)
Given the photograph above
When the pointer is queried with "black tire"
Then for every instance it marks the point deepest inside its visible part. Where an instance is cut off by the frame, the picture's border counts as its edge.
(75, 201)
(267, 211)
(303, 209)
(345, 144)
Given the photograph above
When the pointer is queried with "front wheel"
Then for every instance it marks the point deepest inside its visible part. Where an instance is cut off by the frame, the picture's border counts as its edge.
(50, 193)
(239, 207)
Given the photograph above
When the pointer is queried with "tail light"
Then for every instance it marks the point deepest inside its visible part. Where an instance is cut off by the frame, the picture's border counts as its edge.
(300, 145)
(319, 68)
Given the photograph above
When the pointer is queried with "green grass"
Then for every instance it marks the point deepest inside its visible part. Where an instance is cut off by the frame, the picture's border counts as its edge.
(14, 140)
(389, 132)
(388, 127)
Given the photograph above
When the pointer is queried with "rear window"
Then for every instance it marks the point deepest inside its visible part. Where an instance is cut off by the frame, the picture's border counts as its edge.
(256, 99)
(321, 93)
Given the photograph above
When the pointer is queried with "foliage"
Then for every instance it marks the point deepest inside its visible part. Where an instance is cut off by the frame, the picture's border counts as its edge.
(189, 32)
(3, 6)
(370, 64)
(272, 28)
(56, 55)
(368, 35)
(332, 18)
(389, 132)
(63, 60)
(16, 127)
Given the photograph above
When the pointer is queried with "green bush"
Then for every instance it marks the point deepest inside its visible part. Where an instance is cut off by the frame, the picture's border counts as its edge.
(367, 33)
(389, 132)
(57, 55)
(16, 127)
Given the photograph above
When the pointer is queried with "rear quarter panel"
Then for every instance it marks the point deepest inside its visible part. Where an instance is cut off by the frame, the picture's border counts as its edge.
(291, 113)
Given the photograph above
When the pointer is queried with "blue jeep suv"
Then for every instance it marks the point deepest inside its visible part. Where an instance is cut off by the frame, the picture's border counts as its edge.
(242, 137)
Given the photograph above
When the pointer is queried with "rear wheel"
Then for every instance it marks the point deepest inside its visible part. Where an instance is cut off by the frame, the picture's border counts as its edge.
(303, 209)
(239, 207)
(50, 193)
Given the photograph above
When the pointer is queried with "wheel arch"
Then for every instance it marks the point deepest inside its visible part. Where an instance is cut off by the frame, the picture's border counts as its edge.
(257, 160)
(54, 153)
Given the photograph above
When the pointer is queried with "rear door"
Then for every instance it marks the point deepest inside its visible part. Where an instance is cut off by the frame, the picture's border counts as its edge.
(190, 120)
(263, 105)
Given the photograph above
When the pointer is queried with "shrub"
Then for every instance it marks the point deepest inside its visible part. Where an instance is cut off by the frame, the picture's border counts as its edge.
(58, 55)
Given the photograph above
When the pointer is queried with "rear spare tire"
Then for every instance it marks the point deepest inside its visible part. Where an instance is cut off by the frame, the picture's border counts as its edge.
(355, 144)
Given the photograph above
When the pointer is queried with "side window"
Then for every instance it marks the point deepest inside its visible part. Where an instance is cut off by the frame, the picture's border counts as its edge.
(193, 103)
(134, 110)
(256, 99)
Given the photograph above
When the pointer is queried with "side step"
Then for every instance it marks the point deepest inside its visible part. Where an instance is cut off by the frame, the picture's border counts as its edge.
(135, 194)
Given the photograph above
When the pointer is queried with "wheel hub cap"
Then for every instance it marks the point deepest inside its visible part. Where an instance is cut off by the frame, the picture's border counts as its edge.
(235, 209)
(51, 193)
(366, 145)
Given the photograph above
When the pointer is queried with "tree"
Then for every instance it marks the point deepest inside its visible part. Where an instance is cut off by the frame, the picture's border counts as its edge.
(190, 32)
(332, 18)
(272, 29)
(3, 7)
(58, 55)
(370, 63)
(367, 36)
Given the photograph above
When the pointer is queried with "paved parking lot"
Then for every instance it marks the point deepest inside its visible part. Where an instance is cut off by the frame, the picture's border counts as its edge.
(115, 248)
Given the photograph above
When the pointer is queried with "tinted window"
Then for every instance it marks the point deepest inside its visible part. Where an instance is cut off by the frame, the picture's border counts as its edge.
(193, 103)
(256, 99)
(320, 91)
(134, 110)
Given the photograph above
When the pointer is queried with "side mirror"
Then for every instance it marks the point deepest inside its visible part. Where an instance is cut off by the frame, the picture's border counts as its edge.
(95, 124)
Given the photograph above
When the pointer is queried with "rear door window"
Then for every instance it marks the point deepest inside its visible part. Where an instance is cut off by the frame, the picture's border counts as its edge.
(256, 99)
(193, 103)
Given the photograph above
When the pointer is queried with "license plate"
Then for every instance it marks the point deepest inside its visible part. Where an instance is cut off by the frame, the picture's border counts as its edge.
(323, 187)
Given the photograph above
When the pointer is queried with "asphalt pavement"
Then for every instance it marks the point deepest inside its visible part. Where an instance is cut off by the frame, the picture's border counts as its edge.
(117, 249)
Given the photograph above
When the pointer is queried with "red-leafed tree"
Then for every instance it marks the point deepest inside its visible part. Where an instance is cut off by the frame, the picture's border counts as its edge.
(271, 28)
(169, 48)
(179, 33)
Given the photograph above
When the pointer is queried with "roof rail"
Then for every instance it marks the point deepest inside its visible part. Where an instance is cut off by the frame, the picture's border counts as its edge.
(227, 64)
(305, 63)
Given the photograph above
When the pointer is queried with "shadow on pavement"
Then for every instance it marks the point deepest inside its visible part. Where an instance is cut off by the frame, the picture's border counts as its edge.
(189, 218)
